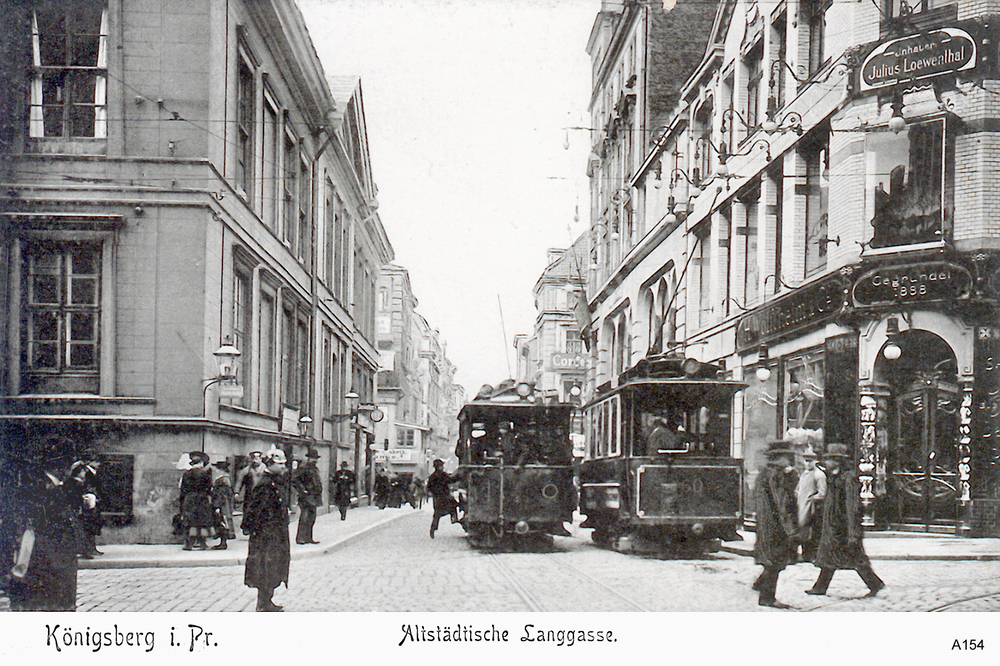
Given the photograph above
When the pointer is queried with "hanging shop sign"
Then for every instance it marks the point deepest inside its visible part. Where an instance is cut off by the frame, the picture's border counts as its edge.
(806, 307)
(912, 283)
(921, 56)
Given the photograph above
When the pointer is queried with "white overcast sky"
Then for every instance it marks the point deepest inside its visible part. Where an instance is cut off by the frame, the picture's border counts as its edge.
(466, 103)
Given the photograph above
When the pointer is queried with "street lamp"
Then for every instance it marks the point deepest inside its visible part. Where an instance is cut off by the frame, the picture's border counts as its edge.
(226, 355)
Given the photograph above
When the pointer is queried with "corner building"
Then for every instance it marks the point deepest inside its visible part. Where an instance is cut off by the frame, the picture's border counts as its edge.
(818, 213)
(178, 178)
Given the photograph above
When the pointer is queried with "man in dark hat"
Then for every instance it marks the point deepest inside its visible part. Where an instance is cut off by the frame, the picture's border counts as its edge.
(439, 488)
(344, 483)
(196, 502)
(309, 486)
(840, 545)
(777, 520)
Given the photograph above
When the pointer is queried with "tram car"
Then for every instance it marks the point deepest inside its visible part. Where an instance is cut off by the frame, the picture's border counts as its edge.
(516, 463)
(658, 472)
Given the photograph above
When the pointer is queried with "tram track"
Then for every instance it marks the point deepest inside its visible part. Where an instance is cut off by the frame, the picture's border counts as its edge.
(522, 568)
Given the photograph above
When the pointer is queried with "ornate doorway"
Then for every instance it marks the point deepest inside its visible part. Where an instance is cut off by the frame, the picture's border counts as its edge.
(923, 457)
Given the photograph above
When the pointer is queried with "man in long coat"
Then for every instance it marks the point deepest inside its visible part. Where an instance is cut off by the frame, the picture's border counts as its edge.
(840, 545)
(439, 488)
(777, 520)
(344, 482)
(265, 520)
(196, 502)
(309, 486)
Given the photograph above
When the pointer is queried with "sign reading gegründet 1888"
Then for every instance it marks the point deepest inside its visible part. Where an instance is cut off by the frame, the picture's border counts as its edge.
(918, 57)
(907, 283)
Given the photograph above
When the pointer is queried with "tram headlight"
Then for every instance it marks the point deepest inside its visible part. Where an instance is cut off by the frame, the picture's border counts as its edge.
(698, 529)
(524, 389)
(521, 527)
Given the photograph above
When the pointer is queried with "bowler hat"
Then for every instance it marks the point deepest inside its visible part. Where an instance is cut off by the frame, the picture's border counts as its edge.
(778, 447)
(312, 453)
(439, 463)
(836, 451)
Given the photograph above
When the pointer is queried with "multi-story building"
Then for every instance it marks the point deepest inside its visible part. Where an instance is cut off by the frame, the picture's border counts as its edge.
(181, 183)
(818, 215)
(415, 382)
(554, 357)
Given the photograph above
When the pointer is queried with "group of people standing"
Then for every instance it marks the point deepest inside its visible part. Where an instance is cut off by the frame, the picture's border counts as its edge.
(821, 511)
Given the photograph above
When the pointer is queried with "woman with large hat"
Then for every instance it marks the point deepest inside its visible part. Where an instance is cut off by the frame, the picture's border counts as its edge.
(777, 519)
(197, 516)
(265, 519)
(840, 545)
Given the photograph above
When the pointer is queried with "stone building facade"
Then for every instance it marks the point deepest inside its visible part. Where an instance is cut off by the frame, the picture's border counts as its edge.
(180, 179)
(817, 215)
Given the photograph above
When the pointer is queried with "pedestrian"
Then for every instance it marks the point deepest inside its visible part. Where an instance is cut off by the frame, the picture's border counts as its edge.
(309, 487)
(196, 502)
(44, 574)
(840, 546)
(777, 522)
(249, 475)
(222, 503)
(265, 520)
(439, 488)
(419, 492)
(345, 482)
(381, 488)
(809, 494)
(81, 488)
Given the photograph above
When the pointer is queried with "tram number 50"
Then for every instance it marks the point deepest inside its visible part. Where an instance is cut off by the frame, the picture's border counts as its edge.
(692, 486)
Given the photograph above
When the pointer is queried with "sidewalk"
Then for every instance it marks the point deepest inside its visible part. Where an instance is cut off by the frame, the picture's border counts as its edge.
(329, 530)
(903, 546)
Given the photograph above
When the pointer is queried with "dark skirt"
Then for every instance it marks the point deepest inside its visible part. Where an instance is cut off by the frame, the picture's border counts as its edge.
(268, 558)
(196, 510)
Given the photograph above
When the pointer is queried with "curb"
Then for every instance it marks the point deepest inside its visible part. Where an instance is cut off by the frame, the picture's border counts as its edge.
(953, 557)
(302, 554)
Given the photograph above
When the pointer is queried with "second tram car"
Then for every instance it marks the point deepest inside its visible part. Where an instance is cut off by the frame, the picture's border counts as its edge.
(658, 467)
(516, 460)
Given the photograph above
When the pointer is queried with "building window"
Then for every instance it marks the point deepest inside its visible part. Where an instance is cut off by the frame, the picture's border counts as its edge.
(272, 154)
(745, 238)
(69, 45)
(288, 192)
(242, 314)
(703, 273)
(775, 212)
(911, 191)
(330, 213)
(815, 152)
(245, 97)
(305, 195)
(61, 317)
(814, 13)
(405, 437)
(803, 395)
(574, 342)
(755, 73)
(267, 353)
(295, 357)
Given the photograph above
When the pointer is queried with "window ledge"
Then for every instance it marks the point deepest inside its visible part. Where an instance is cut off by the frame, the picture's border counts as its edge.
(77, 398)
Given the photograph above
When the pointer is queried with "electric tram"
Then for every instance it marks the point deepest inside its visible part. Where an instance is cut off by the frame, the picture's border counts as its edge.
(658, 471)
(516, 462)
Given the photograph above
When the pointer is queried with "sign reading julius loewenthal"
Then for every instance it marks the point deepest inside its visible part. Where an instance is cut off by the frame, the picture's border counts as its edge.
(918, 57)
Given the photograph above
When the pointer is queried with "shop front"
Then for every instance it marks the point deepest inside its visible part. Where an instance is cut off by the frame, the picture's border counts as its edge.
(897, 359)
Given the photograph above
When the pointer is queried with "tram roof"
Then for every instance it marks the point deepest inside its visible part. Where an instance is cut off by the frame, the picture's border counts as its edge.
(666, 382)
(477, 405)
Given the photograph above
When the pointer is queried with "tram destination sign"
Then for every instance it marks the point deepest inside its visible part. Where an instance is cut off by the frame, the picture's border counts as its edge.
(922, 56)
(806, 307)
(909, 283)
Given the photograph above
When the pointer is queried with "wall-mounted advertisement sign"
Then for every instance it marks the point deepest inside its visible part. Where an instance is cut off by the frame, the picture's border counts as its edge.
(568, 362)
(922, 56)
(908, 283)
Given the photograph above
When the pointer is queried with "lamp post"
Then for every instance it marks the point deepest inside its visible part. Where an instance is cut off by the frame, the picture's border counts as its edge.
(354, 408)
(226, 355)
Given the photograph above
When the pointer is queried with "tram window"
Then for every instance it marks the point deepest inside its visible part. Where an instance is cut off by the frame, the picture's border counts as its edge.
(661, 431)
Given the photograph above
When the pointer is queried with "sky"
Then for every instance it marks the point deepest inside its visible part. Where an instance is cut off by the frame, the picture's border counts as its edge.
(467, 104)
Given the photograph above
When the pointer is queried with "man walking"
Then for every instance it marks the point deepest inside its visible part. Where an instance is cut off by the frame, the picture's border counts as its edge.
(840, 546)
(344, 481)
(439, 488)
(309, 486)
(809, 494)
(777, 520)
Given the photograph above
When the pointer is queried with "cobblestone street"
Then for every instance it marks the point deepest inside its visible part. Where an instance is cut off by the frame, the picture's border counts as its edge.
(398, 568)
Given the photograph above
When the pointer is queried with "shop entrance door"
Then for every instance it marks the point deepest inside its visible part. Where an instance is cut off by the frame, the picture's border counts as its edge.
(924, 464)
